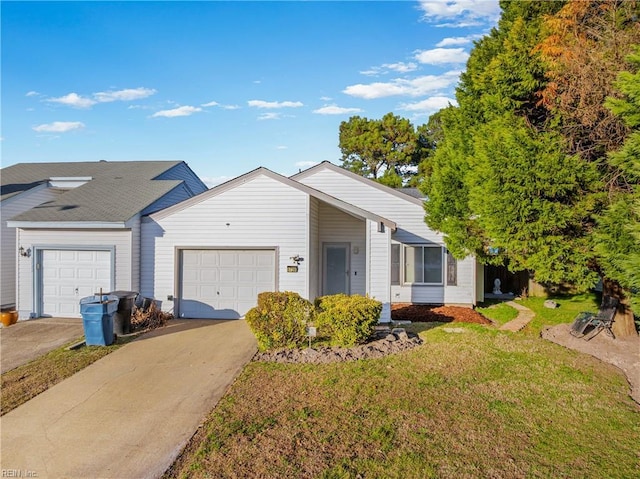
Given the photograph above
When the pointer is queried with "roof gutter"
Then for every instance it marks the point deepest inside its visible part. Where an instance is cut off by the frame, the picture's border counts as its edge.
(67, 224)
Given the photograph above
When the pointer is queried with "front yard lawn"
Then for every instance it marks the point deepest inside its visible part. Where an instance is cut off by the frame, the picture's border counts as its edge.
(470, 402)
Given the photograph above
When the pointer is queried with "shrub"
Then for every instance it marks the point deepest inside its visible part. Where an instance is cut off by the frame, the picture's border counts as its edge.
(346, 320)
(280, 320)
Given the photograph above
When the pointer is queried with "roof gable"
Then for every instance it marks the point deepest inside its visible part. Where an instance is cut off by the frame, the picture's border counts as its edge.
(326, 165)
(347, 207)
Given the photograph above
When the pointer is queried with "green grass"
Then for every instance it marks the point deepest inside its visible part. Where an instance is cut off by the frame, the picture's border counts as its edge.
(27, 381)
(500, 313)
(569, 307)
(478, 403)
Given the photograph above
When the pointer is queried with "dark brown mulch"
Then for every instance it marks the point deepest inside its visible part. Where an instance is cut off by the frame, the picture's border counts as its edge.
(420, 313)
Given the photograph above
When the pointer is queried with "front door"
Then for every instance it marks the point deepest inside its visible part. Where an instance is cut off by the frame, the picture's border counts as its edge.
(336, 268)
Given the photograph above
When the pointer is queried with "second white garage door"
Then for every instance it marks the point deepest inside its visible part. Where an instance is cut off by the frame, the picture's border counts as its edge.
(68, 276)
(223, 284)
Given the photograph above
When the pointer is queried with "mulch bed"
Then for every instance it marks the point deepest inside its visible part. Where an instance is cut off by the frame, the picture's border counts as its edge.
(420, 313)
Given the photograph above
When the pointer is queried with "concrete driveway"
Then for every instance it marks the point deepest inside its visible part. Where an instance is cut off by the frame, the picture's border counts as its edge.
(26, 340)
(129, 414)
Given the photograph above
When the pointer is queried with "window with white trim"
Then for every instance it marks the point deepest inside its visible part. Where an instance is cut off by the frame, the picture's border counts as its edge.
(423, 264)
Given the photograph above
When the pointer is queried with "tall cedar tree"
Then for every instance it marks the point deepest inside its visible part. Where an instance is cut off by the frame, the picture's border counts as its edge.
(618, 232)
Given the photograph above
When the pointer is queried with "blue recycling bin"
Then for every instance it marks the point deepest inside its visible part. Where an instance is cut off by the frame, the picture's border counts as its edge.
(97, 318)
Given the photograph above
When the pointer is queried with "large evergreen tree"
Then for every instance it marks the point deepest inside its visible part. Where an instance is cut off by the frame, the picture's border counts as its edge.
(524, 165)
(384, 150)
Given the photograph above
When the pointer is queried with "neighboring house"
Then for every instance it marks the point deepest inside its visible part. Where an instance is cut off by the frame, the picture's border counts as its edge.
(74, 228)
(323, 231)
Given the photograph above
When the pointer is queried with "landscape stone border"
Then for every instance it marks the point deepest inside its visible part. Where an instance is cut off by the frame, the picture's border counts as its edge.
(383, 343)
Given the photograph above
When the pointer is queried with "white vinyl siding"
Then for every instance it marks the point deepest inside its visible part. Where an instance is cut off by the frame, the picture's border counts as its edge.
(339, 227)
(411, 229)
(260, 213)
(315, 252)
(9, 208)
(41, 239)
(379, 268)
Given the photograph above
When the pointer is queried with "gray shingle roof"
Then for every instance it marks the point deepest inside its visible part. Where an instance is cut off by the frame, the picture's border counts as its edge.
(117, 192)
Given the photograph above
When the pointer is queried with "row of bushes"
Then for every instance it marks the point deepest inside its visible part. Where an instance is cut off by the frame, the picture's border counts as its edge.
(281, 319)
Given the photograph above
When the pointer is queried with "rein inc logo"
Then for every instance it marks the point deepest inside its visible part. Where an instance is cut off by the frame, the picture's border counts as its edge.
(18, 473)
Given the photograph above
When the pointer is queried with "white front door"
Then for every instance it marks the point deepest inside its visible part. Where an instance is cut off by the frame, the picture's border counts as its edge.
(67, 276)
(336, 268)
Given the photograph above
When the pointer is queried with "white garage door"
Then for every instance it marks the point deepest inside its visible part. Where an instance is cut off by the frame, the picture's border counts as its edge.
(70, 275)
(224, 284)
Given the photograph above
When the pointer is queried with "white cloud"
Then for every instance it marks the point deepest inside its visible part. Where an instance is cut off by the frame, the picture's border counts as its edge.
(430, 105)
(212, 181)
(274, 104)
(306, 164)
(326, 98)
(128, 94)
(282, 147)
(270, 116)
(186, 110)
(401, 87)
(59, 126)
(32, 93)
(224, 107)
(335, 110)
(74, 100)
(442, 56)
(463, 12)
(456, 41)
(399, 67)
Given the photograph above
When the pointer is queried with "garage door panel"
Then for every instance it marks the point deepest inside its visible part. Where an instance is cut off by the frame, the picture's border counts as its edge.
(227, 275)
(228, 258)
(69, 275)
(233, 280)
(209, 275)
(246, 276)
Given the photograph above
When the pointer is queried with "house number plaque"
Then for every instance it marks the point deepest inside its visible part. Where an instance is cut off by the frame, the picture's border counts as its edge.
(292, 269)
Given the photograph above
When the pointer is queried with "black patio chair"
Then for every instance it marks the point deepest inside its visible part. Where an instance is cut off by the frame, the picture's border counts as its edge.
(588, 325)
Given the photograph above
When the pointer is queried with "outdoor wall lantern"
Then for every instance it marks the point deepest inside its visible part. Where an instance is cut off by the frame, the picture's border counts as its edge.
(297, 259)
(24, 252)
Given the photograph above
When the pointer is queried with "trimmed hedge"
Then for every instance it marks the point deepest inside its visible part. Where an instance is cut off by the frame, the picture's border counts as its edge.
(346, 320)
(280, 320)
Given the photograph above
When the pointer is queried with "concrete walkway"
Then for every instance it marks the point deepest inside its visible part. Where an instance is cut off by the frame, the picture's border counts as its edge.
(26, 340)
(525, 315)
(129, 414)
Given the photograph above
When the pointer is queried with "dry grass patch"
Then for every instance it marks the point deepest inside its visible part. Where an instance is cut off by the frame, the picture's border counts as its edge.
(27, 381)
(479, 403)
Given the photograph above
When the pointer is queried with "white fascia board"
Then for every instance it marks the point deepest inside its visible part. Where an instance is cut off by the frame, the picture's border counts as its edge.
(67, 225)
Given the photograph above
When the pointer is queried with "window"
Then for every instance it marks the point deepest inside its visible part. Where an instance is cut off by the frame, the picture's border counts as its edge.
(395, 263)
(423, 264)
(452, 270)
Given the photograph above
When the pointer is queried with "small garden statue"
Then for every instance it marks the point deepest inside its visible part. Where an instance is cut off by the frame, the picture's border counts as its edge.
(496, 286)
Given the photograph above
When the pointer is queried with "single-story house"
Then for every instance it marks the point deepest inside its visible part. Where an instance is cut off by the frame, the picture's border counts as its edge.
(322, 231)
(70, 230)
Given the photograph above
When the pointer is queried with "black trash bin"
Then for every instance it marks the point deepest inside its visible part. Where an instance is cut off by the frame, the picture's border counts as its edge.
(122, 317)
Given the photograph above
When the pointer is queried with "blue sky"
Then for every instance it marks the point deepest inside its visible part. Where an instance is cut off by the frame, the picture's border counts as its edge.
(225, 86)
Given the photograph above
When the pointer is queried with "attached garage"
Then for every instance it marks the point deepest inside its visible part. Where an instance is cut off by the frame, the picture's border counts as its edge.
(67, 275)
(223, 283)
